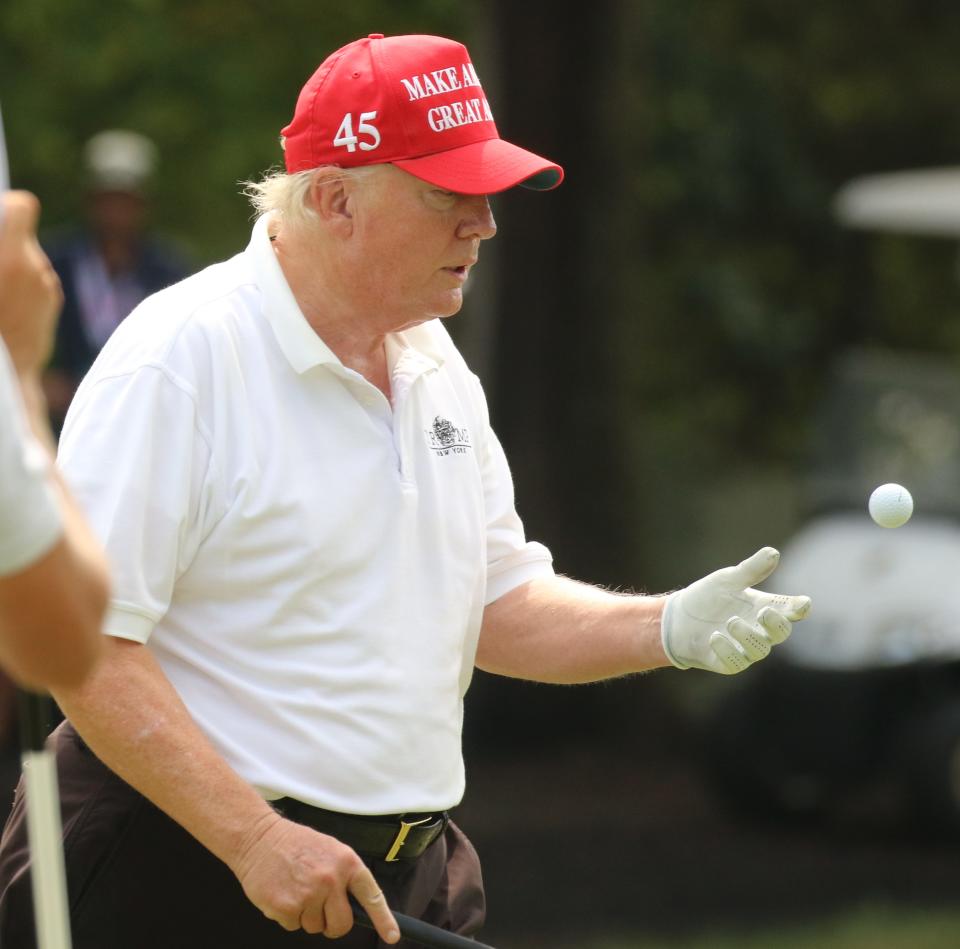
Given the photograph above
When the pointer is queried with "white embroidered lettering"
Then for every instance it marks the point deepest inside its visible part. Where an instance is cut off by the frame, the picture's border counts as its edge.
(413, 87)
(453, 80)
(440, 81)
(440, 118)
(464, 112)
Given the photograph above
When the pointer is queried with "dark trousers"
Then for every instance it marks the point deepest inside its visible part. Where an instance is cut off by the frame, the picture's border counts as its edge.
(137, 880)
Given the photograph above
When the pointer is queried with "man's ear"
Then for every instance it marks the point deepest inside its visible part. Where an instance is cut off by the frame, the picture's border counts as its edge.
(329, 199)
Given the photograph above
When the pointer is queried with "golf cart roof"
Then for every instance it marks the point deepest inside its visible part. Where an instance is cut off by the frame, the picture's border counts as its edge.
(922, 202)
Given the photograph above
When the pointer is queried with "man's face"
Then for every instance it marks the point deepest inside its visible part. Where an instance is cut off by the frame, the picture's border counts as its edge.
(413, 245)
(117, 215)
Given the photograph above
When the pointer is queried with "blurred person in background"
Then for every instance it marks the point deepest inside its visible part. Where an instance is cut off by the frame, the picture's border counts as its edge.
(53, 574)
(111, 262)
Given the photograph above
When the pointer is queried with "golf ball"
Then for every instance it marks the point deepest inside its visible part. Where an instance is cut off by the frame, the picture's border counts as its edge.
(891, 505)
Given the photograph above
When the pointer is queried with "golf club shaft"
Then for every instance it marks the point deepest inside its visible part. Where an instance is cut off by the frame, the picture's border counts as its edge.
(424, 934)
(48, 877)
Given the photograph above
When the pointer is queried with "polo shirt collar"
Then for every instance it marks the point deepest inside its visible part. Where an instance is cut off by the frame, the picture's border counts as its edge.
(416, 346)
(298, 340)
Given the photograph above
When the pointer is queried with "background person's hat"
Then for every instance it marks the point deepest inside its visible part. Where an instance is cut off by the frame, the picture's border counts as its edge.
(119, 160)
(414, 101)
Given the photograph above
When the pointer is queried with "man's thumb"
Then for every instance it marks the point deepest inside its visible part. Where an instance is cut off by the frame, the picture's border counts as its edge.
(21, 211)
(756, 569)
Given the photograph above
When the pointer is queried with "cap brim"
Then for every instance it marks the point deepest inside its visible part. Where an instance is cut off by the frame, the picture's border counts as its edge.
(485, 168)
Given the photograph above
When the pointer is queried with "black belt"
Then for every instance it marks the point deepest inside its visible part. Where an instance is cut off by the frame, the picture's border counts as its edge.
(388, 837)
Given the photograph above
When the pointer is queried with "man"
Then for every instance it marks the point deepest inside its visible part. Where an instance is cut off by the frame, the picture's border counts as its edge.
(315, 539)
(53, 578)
(109, 263)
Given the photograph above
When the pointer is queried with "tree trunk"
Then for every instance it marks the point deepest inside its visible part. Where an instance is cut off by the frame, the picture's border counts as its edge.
(554, 392)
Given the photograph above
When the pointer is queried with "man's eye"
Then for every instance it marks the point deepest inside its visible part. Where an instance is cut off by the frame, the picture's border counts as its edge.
(439, 198)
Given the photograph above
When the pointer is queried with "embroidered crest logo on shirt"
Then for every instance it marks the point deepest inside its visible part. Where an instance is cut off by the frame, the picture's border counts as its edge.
(445, 438)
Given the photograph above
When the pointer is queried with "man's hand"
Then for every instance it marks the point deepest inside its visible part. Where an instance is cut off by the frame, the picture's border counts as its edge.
(723, 625)
(300, 878)
(30, 292)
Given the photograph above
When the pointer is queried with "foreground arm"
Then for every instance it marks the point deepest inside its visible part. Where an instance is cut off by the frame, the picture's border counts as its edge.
(553, 629)
(134, 721)
(51, 607)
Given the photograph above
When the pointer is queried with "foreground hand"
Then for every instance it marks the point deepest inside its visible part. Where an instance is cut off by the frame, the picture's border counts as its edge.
(30, 293)
(723, 625)
(300, 878)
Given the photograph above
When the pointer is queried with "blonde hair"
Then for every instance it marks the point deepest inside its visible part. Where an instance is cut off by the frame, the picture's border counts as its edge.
(286, 194)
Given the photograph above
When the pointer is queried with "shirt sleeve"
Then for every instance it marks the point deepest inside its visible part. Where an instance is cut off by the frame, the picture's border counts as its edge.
(511, 559)
(29, 510)
(138, 460)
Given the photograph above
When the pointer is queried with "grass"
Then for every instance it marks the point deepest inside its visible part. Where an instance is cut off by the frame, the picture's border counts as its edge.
(869, 927)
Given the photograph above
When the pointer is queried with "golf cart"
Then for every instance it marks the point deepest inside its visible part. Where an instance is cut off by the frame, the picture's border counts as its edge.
(863, 701)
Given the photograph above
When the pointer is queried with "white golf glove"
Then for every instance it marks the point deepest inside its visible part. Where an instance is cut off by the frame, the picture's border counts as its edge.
(723, 625)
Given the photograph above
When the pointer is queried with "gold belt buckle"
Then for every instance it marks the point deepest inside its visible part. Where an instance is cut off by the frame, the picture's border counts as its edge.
(405, 827)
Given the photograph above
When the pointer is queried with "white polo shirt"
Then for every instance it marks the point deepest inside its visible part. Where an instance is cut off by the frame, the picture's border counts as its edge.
(29, 513)
(308, 563)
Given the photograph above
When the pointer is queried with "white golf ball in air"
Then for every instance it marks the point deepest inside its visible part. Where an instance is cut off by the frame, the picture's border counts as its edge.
(891, 505)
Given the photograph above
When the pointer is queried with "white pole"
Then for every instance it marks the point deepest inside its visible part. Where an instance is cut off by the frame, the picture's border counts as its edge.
(47, 873)
(4, 167)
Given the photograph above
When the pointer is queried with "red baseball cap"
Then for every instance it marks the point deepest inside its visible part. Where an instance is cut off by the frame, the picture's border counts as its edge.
(413, 101)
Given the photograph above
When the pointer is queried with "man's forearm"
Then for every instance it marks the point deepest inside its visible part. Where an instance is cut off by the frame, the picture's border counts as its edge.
(558, 630)
(134, 721)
